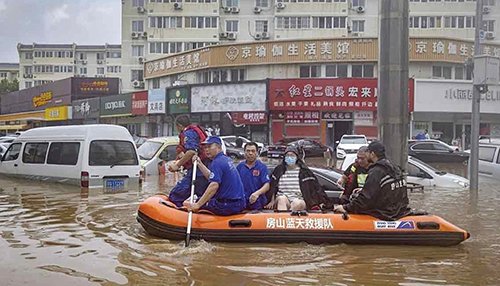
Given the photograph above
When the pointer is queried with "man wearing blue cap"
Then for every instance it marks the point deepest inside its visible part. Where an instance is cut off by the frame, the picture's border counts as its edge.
(225, 194)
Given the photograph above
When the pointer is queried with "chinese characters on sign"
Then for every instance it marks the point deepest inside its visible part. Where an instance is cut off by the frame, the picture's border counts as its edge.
(42, 99)
(299, 223)
(181, 62)
(96, 85)
(156, 101)
(229, 97)
(301, 117)
(249, 117)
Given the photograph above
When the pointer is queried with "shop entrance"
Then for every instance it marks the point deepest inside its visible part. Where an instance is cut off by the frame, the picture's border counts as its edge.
(336, 129)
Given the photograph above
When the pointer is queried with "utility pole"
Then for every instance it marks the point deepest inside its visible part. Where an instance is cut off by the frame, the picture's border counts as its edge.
(476, 100)
(393, 79)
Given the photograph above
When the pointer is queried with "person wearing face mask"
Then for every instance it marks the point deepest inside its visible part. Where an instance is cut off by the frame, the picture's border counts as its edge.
(384, 194)
(294, 186)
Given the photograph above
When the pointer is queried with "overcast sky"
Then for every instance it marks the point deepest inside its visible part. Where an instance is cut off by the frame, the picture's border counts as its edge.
(57, 21)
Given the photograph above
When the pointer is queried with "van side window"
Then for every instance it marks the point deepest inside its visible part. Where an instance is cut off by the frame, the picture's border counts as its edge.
(34, 153)
(63, 153)
(486, 153)
(13, 152)
(111, 153)
(498, 159)
(169, 153)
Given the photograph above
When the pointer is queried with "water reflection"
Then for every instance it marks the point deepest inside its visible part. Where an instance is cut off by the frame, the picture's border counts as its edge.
(53, 234)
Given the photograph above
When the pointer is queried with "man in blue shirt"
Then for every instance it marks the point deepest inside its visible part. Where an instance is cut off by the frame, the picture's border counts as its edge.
(255, 178)
(190, 137)
(224, 195)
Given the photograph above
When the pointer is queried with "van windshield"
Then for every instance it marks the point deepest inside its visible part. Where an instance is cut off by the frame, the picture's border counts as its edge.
(112, 153)
(147, 150)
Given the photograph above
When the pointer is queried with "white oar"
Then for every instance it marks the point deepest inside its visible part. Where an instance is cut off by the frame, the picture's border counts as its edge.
(191, 201)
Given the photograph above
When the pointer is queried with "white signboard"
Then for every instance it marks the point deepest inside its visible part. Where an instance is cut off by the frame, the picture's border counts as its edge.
(229, 97)
(453, 96)
(156, 101)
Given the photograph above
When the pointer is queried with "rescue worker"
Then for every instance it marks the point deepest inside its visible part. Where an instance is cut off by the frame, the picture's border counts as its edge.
(354, 176)
(190, 137)
(225, 194)
(294, 186)
(384, 194)
(255, 178)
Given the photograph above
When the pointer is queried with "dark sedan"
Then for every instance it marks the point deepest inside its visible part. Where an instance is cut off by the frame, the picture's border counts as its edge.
(311, 148)
(435, 151)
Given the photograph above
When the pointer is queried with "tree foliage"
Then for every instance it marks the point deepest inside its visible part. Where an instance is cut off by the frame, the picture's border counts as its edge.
(8, 86)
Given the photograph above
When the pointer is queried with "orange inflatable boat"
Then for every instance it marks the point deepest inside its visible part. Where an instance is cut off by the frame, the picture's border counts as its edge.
(161, 218)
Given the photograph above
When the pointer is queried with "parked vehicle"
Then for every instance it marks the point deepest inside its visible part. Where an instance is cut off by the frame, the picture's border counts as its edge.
(431, 151)
(311, 148)
(3, 149)
(7, 139)
(234, 140)
(235, 153)
(350, 144)
(86, 155)
(423, 174)
(155, 150)
(489, 158)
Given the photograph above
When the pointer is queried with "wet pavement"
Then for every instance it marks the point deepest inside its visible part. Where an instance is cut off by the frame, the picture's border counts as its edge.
(53, 234)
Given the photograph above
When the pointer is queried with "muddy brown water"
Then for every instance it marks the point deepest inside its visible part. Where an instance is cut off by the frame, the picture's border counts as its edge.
(52, 234)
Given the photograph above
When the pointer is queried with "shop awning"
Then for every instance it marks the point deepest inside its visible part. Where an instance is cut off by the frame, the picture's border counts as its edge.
(13, 127)
(32, 115)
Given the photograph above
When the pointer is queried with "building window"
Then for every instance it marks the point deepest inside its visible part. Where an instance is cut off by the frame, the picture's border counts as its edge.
(262, 3)
(336, 70)
(310, 71)
(28, 84)
(329, 22)
(358, 26)
(28, 70)
(156, 83)
(165, 22)
(441, 72)
(232, 3)
(137, 75)
(293, 22)
(114, 55)
(489, 25)
(358, 3)
(137, 50)
(28, 55)
(100, 71)
(137, 3)
(489, 2)
(362, 70)
(200, 22)
(237, 75)
(261, 26)
(138, 26)
(114, 69)
(459, 22)
(3, 74)
(459, 72)
(83, 71)
(425, 22)
(232, 26)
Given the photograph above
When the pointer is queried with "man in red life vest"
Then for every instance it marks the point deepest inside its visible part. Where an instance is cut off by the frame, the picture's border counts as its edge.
(190, 137)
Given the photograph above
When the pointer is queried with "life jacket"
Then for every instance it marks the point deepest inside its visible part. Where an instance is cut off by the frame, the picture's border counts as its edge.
(201, 135)
(360, 178)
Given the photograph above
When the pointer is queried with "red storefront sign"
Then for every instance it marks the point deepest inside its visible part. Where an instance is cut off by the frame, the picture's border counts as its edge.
(301, 117)
(250, 118)
(140, 103)
(336, 94)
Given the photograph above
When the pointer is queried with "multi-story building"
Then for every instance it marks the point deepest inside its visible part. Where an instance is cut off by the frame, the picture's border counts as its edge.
(153, 28)
(44, 63)
(9, 71)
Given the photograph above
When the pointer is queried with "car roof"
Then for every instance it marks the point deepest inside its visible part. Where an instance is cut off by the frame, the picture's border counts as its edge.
(167, 139)
(354, 136)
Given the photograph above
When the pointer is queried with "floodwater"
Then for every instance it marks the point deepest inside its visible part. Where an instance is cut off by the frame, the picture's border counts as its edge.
(53, 234)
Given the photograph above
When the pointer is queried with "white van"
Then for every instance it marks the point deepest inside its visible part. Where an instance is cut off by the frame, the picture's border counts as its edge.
(85, 155)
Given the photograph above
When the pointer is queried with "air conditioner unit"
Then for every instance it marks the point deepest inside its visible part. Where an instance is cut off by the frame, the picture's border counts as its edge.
(25, 75)
(100, 62)
(258, 36)
(265, 35)
(231, 36)
(360, 9)
(141, 60)
(178, 6)
(349, 29)
(489, 35)
(84, 62)
(227, 9)
(135, 35)
(235, 10)
(138, 84)
(141, 10)
(257, 10)
(144, 34)
(280, 5)
(30, 75)
(356, 34)
(222, 35)
(486, 10)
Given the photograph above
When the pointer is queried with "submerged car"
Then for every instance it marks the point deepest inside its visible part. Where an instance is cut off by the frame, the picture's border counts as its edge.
(434, 151)
(423, 174)
(311, 148)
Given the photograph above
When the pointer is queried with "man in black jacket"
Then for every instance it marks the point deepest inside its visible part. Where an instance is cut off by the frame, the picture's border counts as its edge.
(384, 194)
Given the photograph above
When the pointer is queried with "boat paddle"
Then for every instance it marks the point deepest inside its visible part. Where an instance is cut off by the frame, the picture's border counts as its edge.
(191, 201)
